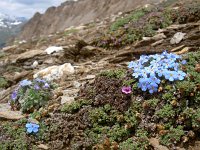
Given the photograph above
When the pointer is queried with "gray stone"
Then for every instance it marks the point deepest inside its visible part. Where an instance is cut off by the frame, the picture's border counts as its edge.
(7, 113)
(177, 38)
(67, 99)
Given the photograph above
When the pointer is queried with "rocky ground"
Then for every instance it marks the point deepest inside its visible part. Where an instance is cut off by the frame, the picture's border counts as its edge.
(87, 109)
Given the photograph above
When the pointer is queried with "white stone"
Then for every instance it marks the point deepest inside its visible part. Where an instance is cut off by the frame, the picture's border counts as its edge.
(55, 72)
(35, 64)
(177, 38)
(23, 41)
(53, 49)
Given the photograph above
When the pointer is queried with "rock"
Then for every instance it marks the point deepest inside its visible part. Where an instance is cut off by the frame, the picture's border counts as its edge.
(155, 143)
(51, 60)
(177, 38)
(194, 36)
(183, 51)
(88, 77)
(155, 37)
(67, 99)
(29, 54)
(177, 48)
(148, 40)
(55, 72)
(42, 146)
(197, 145)
(6, 113)
(83, 69)
(157, 43)
(197, 68)
(76, 84)
(5, 94)
(88, 50)
(176, 26)
(17, 76)
(53, 49)
(70, 92)
(9, 48)
(32, 120)
(178, 148)
(35, 64)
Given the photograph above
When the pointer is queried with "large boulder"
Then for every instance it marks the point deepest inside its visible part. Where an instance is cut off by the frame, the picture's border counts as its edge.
(55, 72)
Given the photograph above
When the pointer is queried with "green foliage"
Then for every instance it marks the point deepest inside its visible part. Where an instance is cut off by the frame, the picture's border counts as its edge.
(168, 96)
(113, 73)
(139, 143)
(167, 18)
(75, 106)
(117, 133)
(17, 132)
(3, 82)
(130, 117)
(2, 54)
(18, 138)
(31, 97)
(98, 115)
(152, 103)
(196, 119)
(173, 136)
(128, 82)
(11, 68)
(43, 134)
(133, 17)
(186, 86)
(71, 31)
(166, 112)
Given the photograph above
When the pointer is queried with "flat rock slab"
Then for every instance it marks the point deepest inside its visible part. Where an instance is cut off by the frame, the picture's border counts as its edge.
(29, 55)
(6, 113)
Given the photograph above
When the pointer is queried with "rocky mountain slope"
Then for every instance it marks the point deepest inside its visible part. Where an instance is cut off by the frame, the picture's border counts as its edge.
(73, 13)
(76, 89)
(9, 26)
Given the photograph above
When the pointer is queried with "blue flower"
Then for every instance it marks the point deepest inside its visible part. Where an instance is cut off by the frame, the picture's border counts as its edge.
(144, 73)
(176, 66)
(181, 75)
(46, 86)
(143, 59)
(171, 75)
(132, 64)
(32, 127)
(150, 69)
(164, 53)
(143, 83)
(153, 79)
(184, 62)
(36, 87)
(152, 87)
(161, 72)
(14, 95)
(136, 74)
(25, 83)
(40, 80)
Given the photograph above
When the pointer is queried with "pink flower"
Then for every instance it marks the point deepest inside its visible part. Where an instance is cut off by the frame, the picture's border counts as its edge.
(126, 90)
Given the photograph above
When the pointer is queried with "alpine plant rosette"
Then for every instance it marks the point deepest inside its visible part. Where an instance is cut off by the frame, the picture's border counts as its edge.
(30, 95)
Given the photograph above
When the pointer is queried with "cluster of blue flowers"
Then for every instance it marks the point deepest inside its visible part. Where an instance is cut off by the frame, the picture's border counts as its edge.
(37, 84)
(150, 70)
(32, 127)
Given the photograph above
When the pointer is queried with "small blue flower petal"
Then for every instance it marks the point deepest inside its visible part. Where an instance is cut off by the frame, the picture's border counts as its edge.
(35, 130)
(30, 130)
